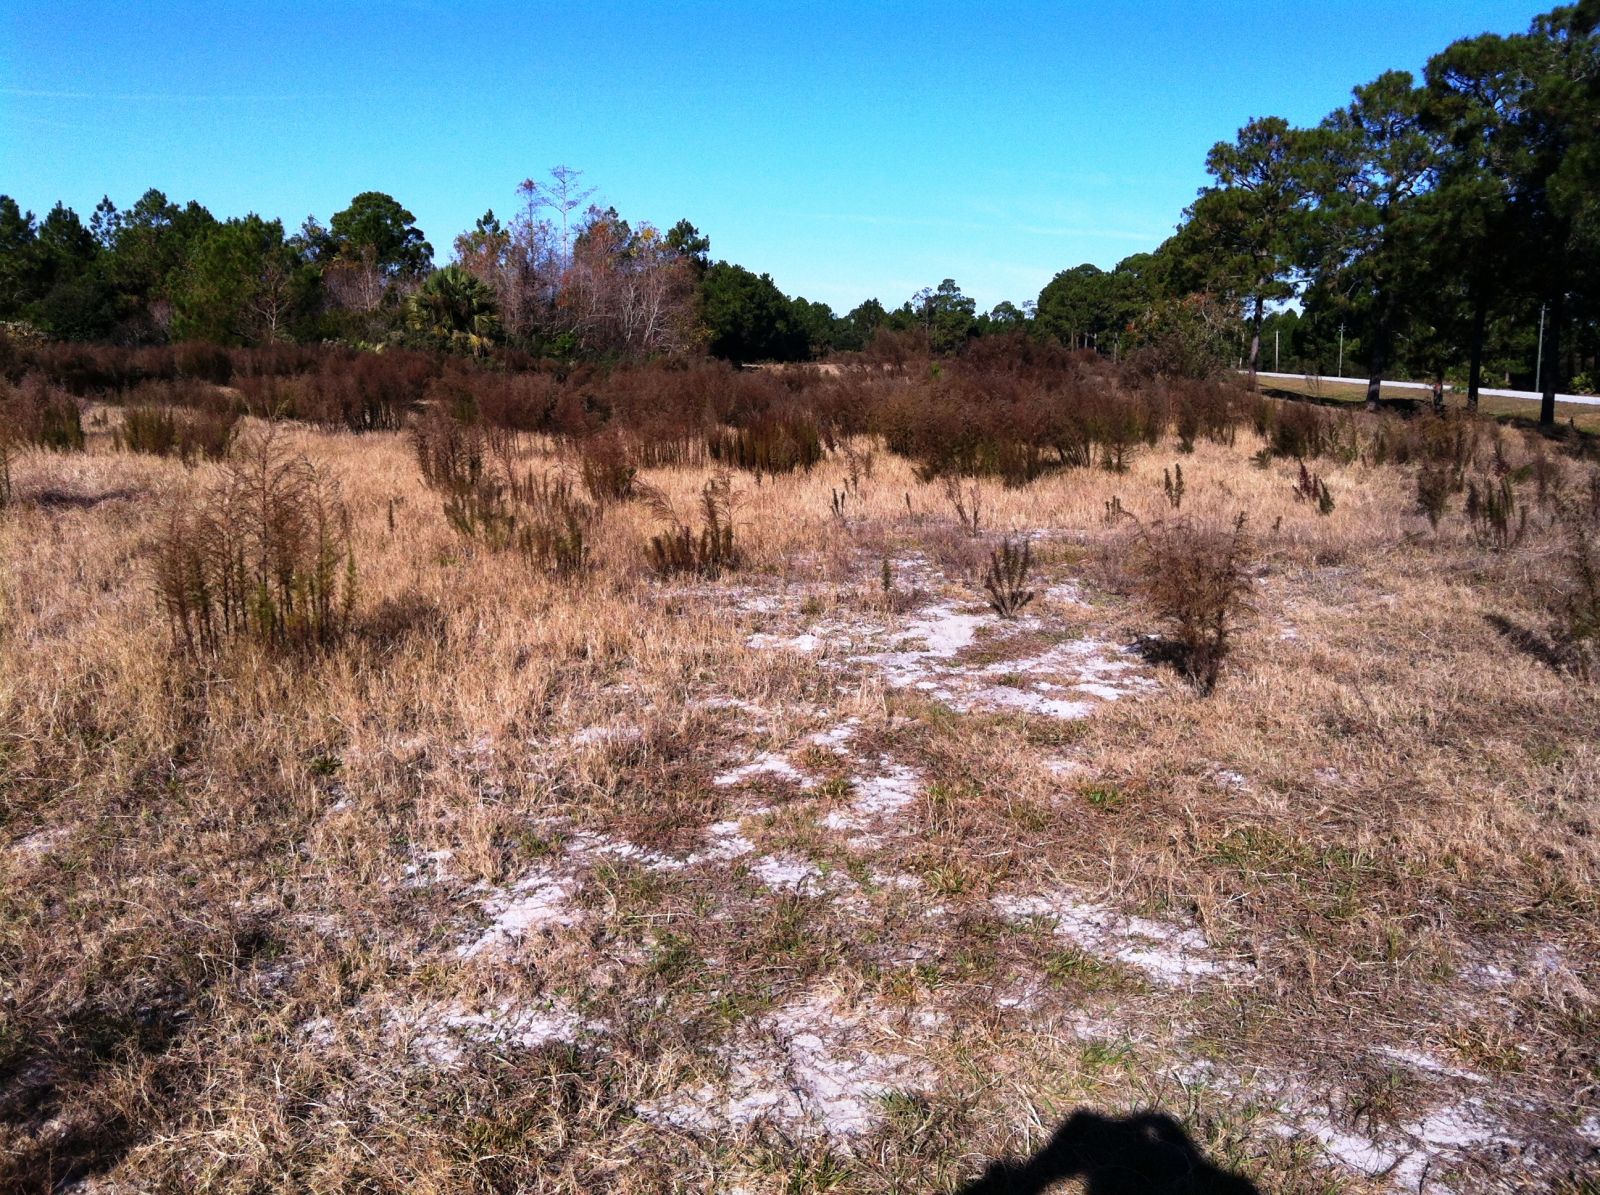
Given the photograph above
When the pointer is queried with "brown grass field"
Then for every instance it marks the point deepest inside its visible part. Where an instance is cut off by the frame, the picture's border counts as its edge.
(815, 876)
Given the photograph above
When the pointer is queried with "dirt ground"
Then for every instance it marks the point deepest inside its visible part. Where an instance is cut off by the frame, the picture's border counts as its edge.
(818, 876)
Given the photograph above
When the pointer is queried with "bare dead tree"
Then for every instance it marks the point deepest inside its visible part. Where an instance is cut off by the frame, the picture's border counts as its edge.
(562, 195)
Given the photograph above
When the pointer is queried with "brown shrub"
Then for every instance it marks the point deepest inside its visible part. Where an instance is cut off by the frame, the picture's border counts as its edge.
(680, 549)
(208, 362)
(773, 444)
(1578, 632)
(604, 465)
(1300, 430)
(361, 391)
(1497, 520)
(1434, 487)
(6, 453)
(38, 413)
(451, 454)
(1196, 580)
(1310, 487)
(485, 502)
(553, 524)
(190, 436)
(264, 555)
(1006, 580)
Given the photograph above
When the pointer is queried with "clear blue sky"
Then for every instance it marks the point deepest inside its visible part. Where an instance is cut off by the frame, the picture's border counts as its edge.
(851, 150)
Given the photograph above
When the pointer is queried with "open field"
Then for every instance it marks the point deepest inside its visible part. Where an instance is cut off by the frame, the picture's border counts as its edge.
(1584, 417)
(813, 876)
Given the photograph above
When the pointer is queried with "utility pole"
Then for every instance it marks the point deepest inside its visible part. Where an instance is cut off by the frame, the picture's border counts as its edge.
(1340, 371)
(1538, 369)
(1275, 368)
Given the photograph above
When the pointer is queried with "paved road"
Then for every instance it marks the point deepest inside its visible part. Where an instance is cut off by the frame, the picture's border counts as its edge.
(1582, 400)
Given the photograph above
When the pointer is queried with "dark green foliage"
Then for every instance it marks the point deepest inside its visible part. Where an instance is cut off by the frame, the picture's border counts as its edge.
(946, 316)
(454, 311)
(376, 228)
(237, 284)
(748, 317)
(1248, 227)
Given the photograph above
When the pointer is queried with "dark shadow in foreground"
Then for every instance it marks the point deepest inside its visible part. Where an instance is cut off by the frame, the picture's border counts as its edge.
(1147, 1153)
(1529, 642)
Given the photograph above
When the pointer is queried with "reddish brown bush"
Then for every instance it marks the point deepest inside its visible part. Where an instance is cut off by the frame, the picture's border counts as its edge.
(264, 554)
(1195, 578)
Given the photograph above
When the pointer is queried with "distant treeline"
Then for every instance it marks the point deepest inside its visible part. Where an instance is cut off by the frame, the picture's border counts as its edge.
(1442, 230)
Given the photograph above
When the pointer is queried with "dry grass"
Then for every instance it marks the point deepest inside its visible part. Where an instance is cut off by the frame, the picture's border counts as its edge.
(802, 878)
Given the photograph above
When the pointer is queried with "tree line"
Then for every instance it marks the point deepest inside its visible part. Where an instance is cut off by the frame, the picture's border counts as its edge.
(1446, 228)
(1448, 224)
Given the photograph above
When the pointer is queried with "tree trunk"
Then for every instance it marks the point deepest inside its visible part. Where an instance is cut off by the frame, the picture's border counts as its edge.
(1552, 344)
(1379, 356)
(1255, 341)
(1480, 317)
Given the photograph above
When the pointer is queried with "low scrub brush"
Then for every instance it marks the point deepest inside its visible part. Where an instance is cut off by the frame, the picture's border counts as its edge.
(1497, 520)
(1310, 487)
(553, 524)
(1172, 484)
(682, 550)
(263, 555)
(452, 455)
(1006, 579)
(1579, 630)
(43, 415)
(191, 436)
(1435, 483)
(771, 445)
(1196, 579)
(607, 472)
(966, 502)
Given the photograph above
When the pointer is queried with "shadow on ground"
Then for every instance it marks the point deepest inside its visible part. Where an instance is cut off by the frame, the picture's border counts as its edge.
(1144, 1154)
(1529, 642)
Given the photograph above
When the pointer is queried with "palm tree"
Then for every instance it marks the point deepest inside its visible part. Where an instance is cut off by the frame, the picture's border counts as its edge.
(456, 310)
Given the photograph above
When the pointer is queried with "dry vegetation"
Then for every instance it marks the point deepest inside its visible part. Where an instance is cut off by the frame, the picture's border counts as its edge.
(517, 801)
